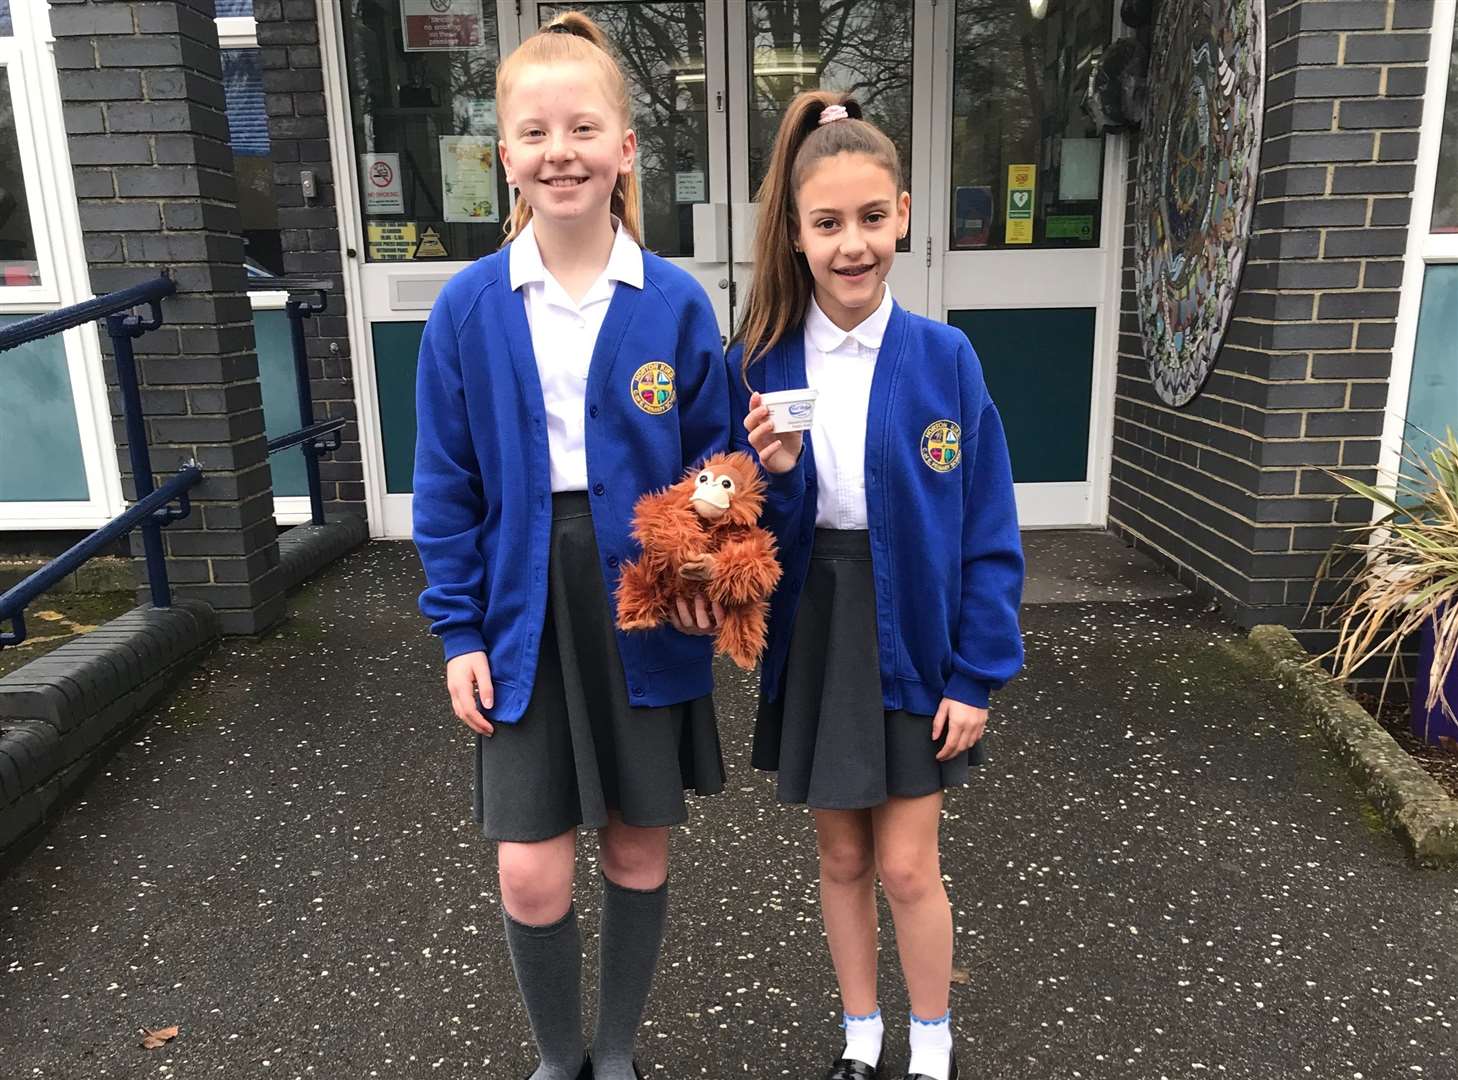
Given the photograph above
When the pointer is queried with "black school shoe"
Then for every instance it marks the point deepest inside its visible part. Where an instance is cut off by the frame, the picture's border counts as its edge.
(850, 1069)
(952, 1075)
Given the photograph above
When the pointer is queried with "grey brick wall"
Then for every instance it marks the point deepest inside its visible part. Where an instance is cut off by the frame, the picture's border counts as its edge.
(293, 82)
(143, 100)
(1229, 491)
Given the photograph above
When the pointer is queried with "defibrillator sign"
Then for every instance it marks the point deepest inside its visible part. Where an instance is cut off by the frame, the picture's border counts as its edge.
(1022, 182)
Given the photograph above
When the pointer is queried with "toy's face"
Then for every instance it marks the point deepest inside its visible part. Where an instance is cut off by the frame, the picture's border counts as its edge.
(713, 492)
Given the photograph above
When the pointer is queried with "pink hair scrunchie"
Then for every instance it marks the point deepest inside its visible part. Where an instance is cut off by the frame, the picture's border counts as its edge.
(831, 113)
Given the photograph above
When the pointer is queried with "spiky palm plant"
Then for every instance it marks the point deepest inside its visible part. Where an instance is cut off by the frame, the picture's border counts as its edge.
(1407, 572)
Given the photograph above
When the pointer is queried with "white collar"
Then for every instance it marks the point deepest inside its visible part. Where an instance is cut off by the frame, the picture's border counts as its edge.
(827, 337)
(625, 260)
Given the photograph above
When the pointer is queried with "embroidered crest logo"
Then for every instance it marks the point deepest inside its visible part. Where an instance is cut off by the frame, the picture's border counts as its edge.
(941, 445)
(653, 390)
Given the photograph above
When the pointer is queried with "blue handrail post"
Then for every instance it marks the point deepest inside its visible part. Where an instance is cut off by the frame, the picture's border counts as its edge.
(123, 328)
(298, 310)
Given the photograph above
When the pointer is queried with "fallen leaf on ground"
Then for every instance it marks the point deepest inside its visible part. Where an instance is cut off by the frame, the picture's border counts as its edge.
(961, 976)
(161, 1037)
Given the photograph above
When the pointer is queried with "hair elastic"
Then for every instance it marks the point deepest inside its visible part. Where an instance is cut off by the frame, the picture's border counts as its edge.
(831, 113)
(562, 28)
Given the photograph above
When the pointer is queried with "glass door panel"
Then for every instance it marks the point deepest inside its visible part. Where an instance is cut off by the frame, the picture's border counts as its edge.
(676, 90)
(661, 49)
(1017, 83)
(423, 97)
(866, 49)
(1025, 265)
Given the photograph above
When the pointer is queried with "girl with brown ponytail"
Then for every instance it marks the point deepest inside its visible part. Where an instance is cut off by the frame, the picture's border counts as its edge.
(560, 379)
(896, 616)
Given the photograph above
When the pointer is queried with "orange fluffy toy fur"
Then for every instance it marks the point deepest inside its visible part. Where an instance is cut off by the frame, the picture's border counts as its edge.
(702, 536)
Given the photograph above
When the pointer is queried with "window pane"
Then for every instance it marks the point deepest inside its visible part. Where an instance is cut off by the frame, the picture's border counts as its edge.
(661, 49)
(1017, 123)
(18, 265)
(1432, 400)
(280, 387)
(6, 28)
(862, 48)
(1445, 198)
(233, 8)
(423, 94)
(40, 444)
(252, 157)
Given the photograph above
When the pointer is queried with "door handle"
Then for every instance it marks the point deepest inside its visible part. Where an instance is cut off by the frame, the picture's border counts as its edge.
(711, 233)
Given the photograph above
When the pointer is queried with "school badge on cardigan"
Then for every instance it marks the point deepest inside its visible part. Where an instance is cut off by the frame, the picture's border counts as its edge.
(653, 390)
(941, 445)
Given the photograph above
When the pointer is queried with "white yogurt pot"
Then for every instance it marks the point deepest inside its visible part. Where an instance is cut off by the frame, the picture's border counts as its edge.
(791, 410)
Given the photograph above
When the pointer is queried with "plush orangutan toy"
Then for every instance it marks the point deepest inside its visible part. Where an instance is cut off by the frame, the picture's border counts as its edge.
(702, 536)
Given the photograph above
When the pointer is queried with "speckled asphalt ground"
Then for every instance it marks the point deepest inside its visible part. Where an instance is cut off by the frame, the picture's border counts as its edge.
(1157, 875)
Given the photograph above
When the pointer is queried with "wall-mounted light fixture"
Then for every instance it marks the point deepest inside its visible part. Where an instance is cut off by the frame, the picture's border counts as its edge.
(1039, 8)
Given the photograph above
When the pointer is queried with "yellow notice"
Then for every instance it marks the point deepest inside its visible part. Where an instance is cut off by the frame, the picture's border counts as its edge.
(430, 245)
(1022, 182)
(392, 241)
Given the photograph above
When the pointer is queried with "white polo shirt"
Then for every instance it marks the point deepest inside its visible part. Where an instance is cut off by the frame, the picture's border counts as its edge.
(564, 333)
(840, 364)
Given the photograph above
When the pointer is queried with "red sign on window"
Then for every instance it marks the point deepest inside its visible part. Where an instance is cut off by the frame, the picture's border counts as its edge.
(440, 25)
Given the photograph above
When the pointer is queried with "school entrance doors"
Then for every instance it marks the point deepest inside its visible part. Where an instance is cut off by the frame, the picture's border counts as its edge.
(414, 128)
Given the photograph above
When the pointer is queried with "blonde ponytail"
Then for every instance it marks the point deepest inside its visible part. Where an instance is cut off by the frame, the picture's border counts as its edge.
(572, 37)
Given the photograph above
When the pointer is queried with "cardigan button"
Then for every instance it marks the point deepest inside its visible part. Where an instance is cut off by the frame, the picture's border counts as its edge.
(598, 489)
(592, 411)
(613, 561)
(637, 691)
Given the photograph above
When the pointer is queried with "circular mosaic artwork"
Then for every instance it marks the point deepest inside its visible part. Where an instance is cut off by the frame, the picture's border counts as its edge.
(1199, 156)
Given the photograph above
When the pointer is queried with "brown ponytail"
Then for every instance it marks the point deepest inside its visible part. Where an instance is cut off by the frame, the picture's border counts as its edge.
(780, 293)
(573, 37)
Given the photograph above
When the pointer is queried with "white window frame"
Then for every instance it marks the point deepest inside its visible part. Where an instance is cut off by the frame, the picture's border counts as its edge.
(1424, 247)
(30, 70)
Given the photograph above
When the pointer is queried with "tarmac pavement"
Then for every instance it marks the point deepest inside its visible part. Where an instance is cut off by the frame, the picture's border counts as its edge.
(1157, 874)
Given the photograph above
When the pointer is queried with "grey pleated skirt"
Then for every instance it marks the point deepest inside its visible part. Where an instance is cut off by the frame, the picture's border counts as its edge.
(580, 750)
(830, 738)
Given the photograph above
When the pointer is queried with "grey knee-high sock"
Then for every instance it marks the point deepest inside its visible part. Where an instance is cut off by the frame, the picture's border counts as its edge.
(632, 931)
(548, 965)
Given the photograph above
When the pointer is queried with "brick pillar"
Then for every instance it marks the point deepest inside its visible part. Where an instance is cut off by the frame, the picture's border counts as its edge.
(298, 130)
(148, 140)
(1228, 490)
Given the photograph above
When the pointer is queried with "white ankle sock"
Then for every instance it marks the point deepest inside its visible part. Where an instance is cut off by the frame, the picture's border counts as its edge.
(931, 1047)
(863, 1037)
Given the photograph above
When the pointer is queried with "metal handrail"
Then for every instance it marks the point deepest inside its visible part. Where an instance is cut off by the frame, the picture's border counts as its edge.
(14, 600)
(313, 433)
(53, 322)
(153, 509)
